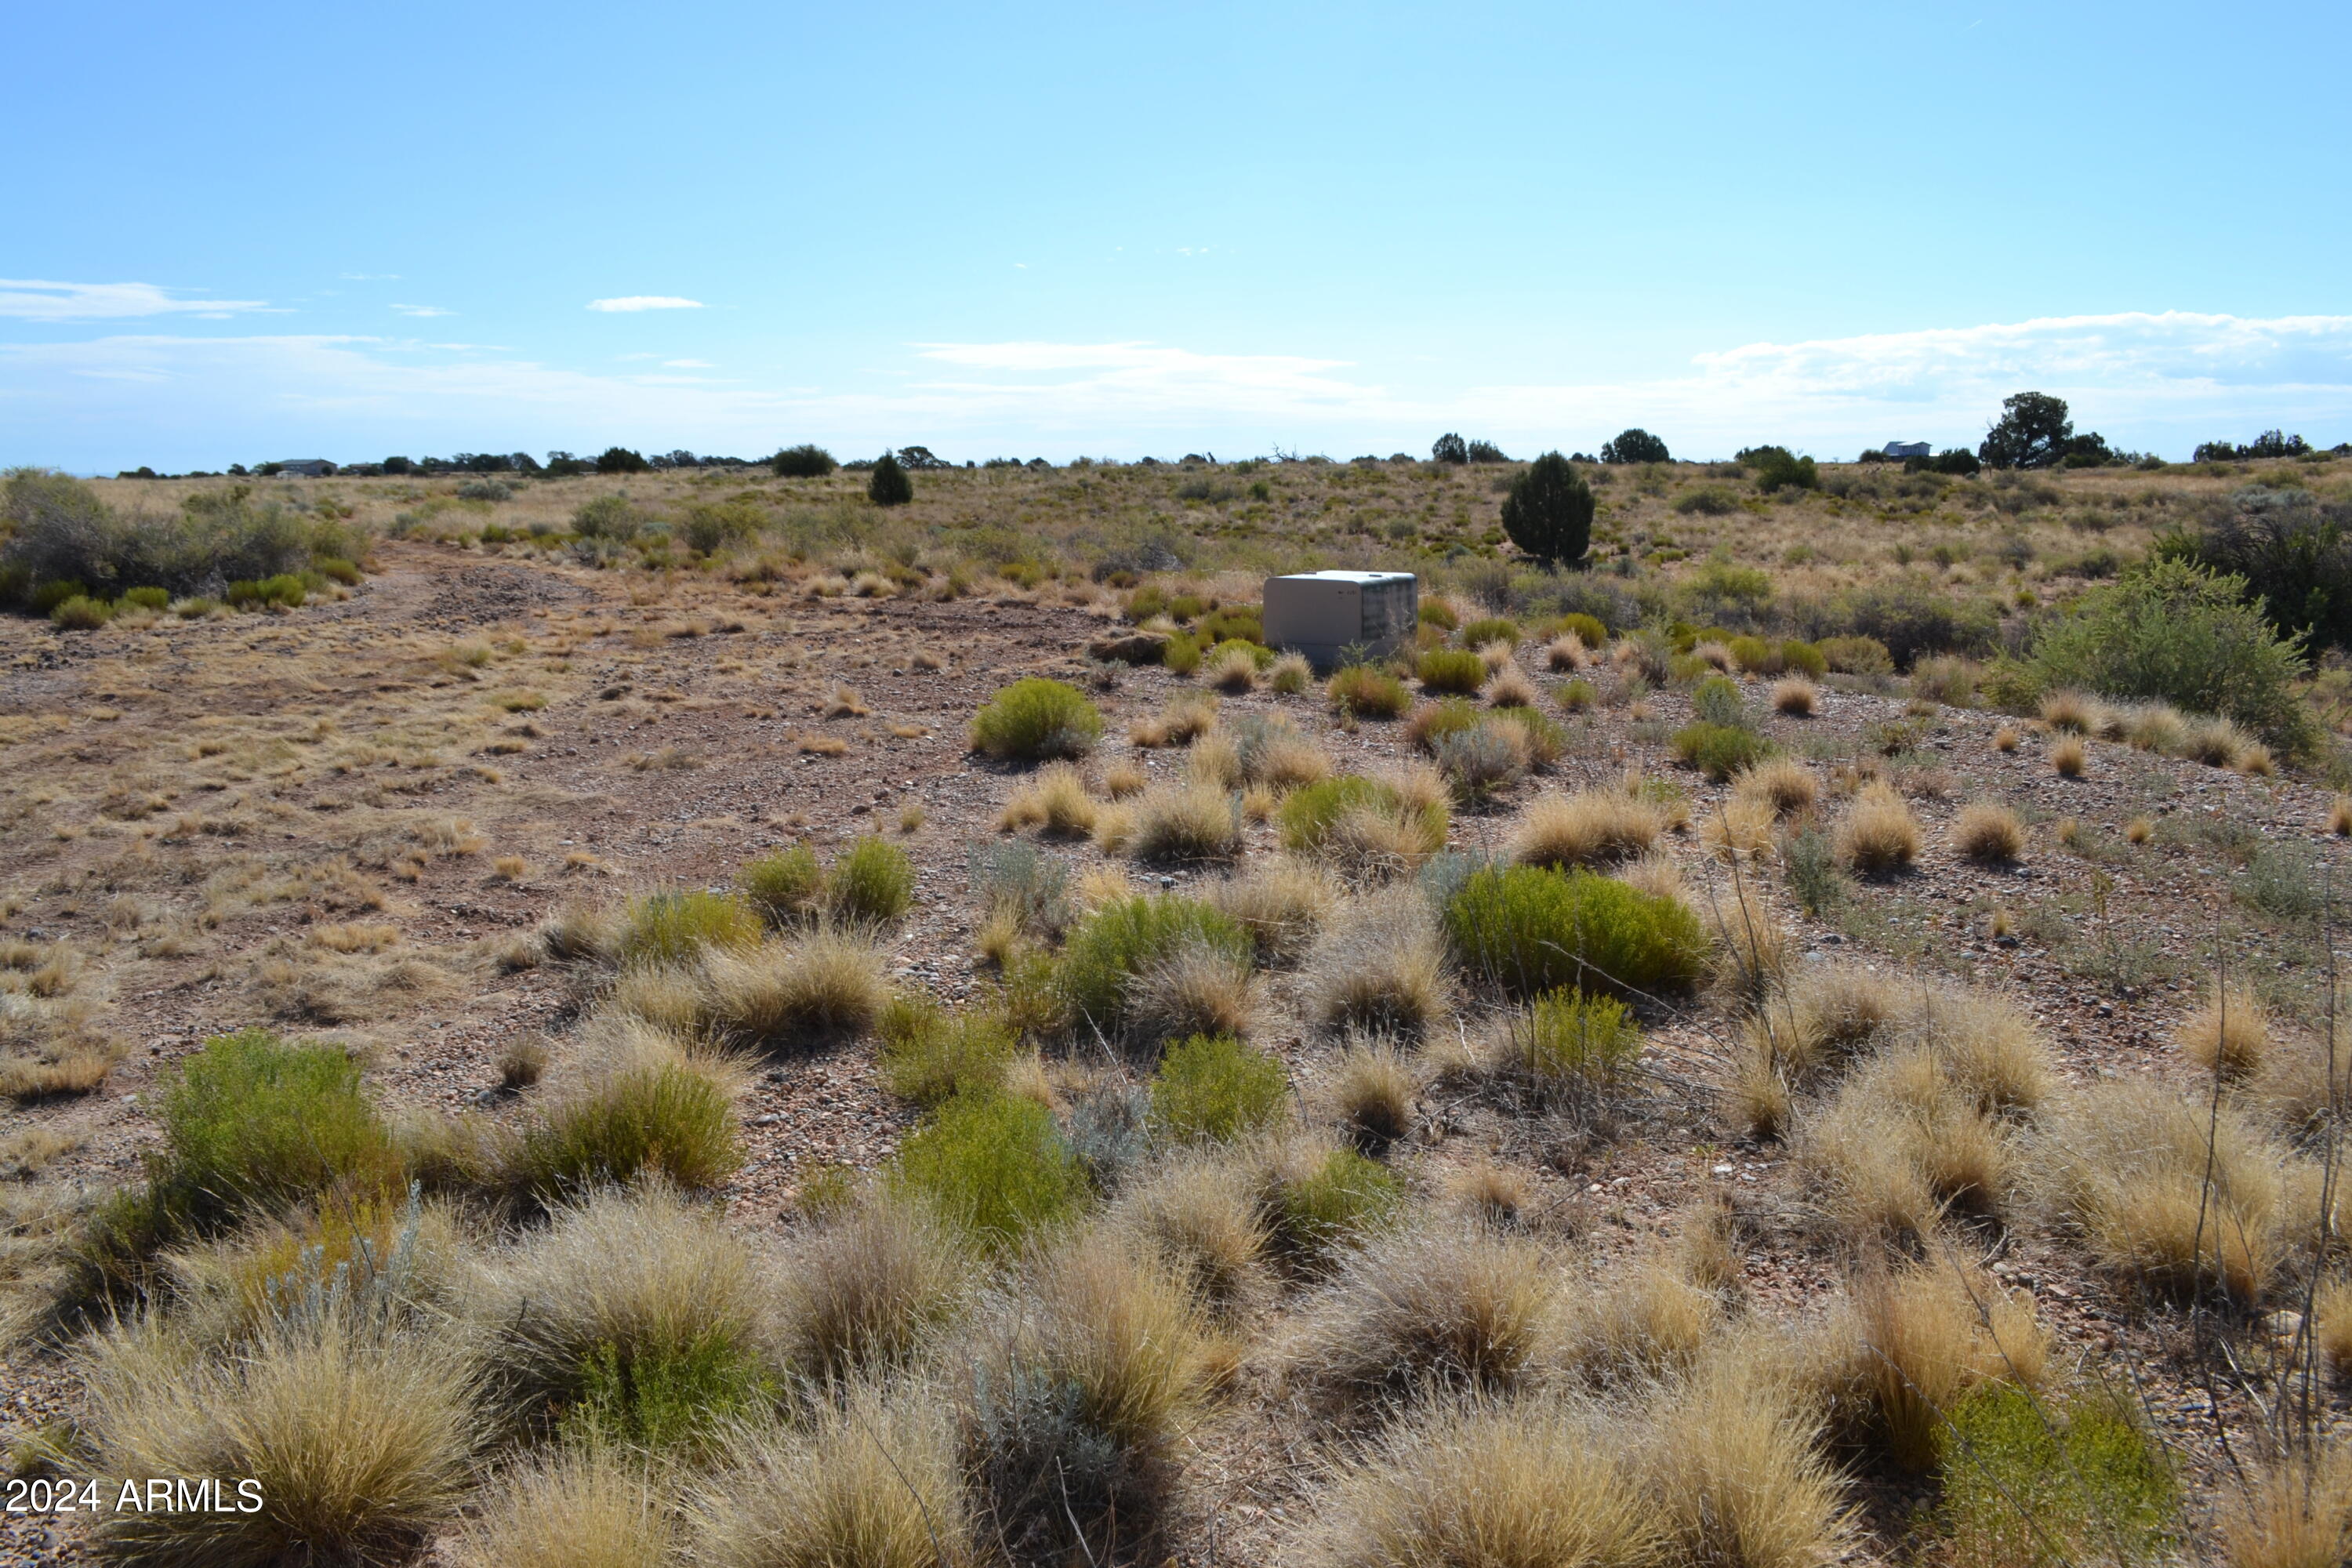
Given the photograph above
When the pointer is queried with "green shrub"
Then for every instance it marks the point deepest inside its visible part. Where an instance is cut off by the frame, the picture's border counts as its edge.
(1911, 616)
(889, 485)
(1433, 614)
(1212, 1086)
(148, 598)
(1493, 628)
(251, 1125)
(1360, 690)
(81, 614)
(2173, 632)
(1808, 860)
(1532, 929)
(1232, 623)
(929, 1055)
(1588, 628)
(1311, 814)
(873, 882)
(1447, 716)
(1451, 669)
(675, 926)
(45, 599)
(1548, 513)
(1575, 696)
(283, 589)
(1717, 701)
(2029, 1484)
(666, 1118)
(1755, 656)
(1035, 720)
(1188, 607)
(784, 887)
(665, 1397)
(1567, 1038)
(1312, 1214)
(993, 1165)
(1146, 602)
(1182, 655)
(1111, 946)
(336, 569)
(806, 462)
(1804, 658)
(1718, 750)
(1857, 656)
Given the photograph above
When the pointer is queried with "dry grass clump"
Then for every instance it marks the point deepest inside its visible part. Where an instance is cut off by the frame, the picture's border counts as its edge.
(1289, 674)
(1902, 1143)
(2070, 757)
(1282, 903)
(1533, 1483)
(1587, 829)
(1198, 989)
(1735, 1469)
(1055, 800)
(869, 1288)
(1781, 782)
(819, 986)
(1380, 970)
(1199, 1211)
(575, 1508)
(1512, 687)
(1216, 761)
(1566, 653)
(2070, 713)
(1187, 717)
(2229, 1035)
(1878, 834)
(1489, 1194)
(1906, 1343)
(1373, 1089)
(2130, 1168)
(1824, 1016)
(1196, 822)
(1988, 833)
(1752, 949)
(1795, 696)
(1426, 1309)
(2339, 817)
(361, 1439)
(1741, 829)
(1231, 669)
(1124, 781)
(871, 1480)
(2331, 1322)
(1639, 1322)
(2297, 1513)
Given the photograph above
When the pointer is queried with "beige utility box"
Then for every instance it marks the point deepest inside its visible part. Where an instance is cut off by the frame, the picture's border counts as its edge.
(1325, 613)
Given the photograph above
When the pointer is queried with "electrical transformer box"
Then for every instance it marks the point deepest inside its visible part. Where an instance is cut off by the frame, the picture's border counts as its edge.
(1326, 614)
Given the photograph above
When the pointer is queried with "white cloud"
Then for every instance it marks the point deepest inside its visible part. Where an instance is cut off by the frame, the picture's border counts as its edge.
(645, 302)
(422, 311)
(371, 276)
(32, 300)
(688, 364)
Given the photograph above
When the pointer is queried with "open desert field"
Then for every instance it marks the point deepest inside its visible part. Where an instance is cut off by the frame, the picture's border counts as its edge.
(693, 1019)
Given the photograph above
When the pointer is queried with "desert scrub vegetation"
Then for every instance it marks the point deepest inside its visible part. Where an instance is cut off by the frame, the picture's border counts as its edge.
(994, 1167)
(1035, 720)
(1215, 1089)
(1531, 929)
(1114, 952)
(1365, 826)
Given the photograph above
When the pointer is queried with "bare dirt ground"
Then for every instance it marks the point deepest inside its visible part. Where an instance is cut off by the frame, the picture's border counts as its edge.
(346, 823)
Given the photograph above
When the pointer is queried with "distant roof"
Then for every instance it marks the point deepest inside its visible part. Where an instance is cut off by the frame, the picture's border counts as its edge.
(1348, 577)
(1907, 449)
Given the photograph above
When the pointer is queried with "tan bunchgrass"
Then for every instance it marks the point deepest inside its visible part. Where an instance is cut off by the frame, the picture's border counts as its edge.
(1657, 874)
(1380, 970)
(1285, 760)
(2005, 738)
(821, 984)
(1733, 1462)
(1492, 1194)
(2215, 741)
(1373, 1089)
(360, 1437)
(869, 1288)
(1232, 670)
(1215, 760)
(1906, 1343)
(1989, 833)
(871, 1478)
(576, 1508)
(1289, 674)
(1752, 952)
(2173, 1197)
(2070, 713)
(1512, 687)
(1432, 1307)
(1199, 1211)
(1530, 1483)
(1781, 782)
(2070, 757)
(1282, 902)
(1739, 829)
(1795, 696)
(1055, 800)
(2138, 830)
(1566, 652)
(1638, 1321)
(1901, 1144)
(1196, 990)
(1497, 654)
(1590, 828)
(1195, 822)
(2331, 1322)
(1877, 834)
(2228, 1034)
(2339, 817)
(2295, 1511)
(1123, 780)
(1718, 655)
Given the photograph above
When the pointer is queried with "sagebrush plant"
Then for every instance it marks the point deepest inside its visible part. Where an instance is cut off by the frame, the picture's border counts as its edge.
(1036, 720)
(1530, 930)
(1216, 1088)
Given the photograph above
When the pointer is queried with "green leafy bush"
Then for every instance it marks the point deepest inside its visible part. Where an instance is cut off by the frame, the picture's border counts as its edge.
(1588, 628)
(2172, 631)
(806, 462)
(1368, 693)
(666, 1118)
(1911, 616)
(993, 1165)
(56, 531)
(1804, 658)
(889, 485)
(1567, 1039)
(675, 926)
(929, 1055)
(81, 614)
(1110, 947)
(1493, 628)
(1717, 701)
(1446, 716)
(252, 1123)
(2029, 1484)
(1451, 669)
(665, 1397)
(1314, 1211)
(148, 598)
(1214, 1087)
(1232, 623)
(1718, 750)
(1857, 656)
(1531, 929)
(784, 887)
(1182, 655)
(1313, 813)
(1035, 720)
(1434, 614)
(874, 881)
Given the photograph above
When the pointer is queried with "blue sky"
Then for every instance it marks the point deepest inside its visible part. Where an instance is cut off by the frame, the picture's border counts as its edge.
(265, 231)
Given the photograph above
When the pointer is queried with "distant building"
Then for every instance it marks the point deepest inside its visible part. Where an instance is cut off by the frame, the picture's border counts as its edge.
(308, 468)
(1899, 449)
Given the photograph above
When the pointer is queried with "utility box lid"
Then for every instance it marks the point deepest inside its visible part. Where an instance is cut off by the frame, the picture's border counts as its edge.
(1325, 613)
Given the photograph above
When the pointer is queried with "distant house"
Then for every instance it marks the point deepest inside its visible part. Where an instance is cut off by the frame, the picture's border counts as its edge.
(308, 468)
(1899, 449)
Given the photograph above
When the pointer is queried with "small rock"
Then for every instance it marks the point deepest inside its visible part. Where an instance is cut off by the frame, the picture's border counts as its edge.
(2285, 1324)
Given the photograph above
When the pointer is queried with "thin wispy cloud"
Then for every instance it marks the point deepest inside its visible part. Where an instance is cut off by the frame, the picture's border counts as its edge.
(687, 365)
(422, 311)
(369, 276)
(34, 299)
(645, 302)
